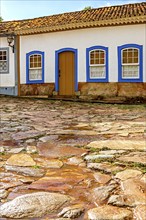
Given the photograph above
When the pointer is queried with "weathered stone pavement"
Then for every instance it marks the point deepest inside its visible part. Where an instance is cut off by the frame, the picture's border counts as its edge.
(65, 160)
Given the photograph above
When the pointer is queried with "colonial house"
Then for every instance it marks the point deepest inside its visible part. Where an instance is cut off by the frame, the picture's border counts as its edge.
(94, 53)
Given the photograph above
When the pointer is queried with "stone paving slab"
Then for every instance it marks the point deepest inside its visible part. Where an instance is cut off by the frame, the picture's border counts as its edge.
(76, 149)
(135, 157)
(119, 144)
(53, 150)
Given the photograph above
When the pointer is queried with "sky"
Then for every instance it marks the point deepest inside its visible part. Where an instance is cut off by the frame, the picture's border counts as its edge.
(25, 9)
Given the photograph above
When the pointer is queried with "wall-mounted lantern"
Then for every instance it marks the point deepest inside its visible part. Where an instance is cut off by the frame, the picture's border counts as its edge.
(10, 40)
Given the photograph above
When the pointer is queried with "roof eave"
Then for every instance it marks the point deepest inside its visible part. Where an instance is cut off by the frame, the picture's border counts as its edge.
(81, 25)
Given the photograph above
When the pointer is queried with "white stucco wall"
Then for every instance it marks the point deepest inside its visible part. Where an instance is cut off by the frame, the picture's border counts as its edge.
(8, 79)
(110, 37)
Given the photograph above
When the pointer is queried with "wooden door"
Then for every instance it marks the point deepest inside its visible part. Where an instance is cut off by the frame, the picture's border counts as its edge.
(67, 73)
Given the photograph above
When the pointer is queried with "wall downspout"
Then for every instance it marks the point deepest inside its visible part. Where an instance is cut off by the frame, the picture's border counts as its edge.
(17, 66)
(145, 55)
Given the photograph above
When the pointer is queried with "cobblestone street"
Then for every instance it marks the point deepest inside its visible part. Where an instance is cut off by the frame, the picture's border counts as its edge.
(77, 160)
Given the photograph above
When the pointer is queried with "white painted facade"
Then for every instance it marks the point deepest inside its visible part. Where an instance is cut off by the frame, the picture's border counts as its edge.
(8, 79)
(110, 37)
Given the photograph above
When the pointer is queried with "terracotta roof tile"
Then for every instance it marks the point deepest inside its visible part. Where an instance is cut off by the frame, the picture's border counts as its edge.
(106, 16)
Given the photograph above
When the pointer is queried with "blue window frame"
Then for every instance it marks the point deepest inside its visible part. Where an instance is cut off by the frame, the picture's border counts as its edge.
(97, 64)
(130, 63)
(4, 60)
(35, 67)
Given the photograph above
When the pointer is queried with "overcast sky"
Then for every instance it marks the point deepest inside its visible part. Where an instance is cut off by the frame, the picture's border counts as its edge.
(23, 9)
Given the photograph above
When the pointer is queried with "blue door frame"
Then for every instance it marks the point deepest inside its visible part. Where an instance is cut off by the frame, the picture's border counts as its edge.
(75, 51)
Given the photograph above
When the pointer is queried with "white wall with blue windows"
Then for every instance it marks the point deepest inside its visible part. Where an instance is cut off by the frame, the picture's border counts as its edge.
(7, 64)
(113, 41)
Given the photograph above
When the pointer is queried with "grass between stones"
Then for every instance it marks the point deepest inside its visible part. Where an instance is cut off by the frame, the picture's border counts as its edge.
(131, 107)
(36, 167)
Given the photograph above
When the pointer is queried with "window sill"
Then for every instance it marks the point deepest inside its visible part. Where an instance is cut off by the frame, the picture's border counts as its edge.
(130, 80)
(35, 82)
(97, 80)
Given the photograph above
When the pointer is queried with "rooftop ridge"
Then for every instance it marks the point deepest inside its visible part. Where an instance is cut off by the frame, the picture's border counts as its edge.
(132, 13)
(65, 13)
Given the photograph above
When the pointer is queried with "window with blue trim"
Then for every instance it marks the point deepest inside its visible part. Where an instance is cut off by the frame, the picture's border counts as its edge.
(35, 67)
(97, 64)
(4, 60)
(130, 63)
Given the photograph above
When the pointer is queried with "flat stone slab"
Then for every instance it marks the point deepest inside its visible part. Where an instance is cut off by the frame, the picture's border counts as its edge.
(128, 173)
(16, 150)
(105, 167)
(22, 160)
(75, 161)
(102, 178)
(107, 212)
(9, 185)
(123, 200)
(8, 144)
(94, 157)
(135, 157)
(49, 163)
(48, 138)
(118, 145)
(26, 171)
(52, 150)
(73, 211)
(100, 194)
(27, 135)
(51, 185)
(136, 188)
(57, 184)
(33, 205)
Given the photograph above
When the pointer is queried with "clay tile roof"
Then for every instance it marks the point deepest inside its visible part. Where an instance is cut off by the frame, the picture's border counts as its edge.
(99, 17)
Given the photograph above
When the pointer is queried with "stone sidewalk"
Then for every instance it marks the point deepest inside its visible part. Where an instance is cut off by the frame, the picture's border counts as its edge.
(65, 160)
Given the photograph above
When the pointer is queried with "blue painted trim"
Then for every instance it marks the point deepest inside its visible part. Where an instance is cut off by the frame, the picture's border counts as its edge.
(88, 79)
(8, 59)
(15, 65)
(27, 67)
(8, 91)
(75, 51)
(126, 46)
